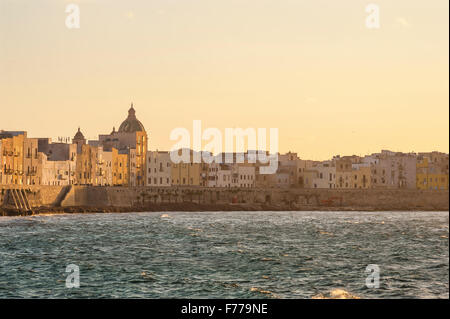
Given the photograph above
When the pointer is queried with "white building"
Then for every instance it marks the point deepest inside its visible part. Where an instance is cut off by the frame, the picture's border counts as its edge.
(326, 175)
(219, 175)
(242, 176)
(104, 167)
(393, 170)
(159, 169)
(56, 173)
(56, 162)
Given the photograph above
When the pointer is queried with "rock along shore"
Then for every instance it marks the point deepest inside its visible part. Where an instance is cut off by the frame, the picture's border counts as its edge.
(191, 207)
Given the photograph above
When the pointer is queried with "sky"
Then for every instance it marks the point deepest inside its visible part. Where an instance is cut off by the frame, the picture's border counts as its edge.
(312, 69)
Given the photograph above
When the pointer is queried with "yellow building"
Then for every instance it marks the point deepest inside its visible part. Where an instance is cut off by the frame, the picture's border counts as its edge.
(361, 177)
(308, 176)
(141, 157)
(189, 174)
(344, 173)
(31, 163)
(86, 168)
(131, 138)
(120, 168)
(430, 174)
(12, 157)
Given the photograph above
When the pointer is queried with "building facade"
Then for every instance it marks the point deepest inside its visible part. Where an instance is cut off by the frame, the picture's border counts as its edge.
(159, 169)
(132, 139)
(432, 172)
(12, 157)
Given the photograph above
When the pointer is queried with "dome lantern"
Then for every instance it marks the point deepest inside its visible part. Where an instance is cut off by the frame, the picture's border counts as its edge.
(131, 124)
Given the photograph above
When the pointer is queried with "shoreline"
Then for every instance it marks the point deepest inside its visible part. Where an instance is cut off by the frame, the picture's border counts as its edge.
(194, 207)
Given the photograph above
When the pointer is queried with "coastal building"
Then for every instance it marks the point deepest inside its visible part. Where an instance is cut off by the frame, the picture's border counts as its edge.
(219, 175)
(281, 179)
(57, 151)
(106, 169)
(213, 172)
(190, 173)
(242, 176)
(361, 175)
(1, 163)
(12, 156)
(56, 172)
(439, 160)
(344, 172)
(79, 140)
(393, 170)
(103, 167)
(308, 176)
(132, 139)
(432, 172)
(288, 164)
(325, 175)
(305, 173)
(86, 165)
(119, 168)
(223, 176)
(86, 160)
(159, 168)
(31, 163)
(132, 167)
(59, 157)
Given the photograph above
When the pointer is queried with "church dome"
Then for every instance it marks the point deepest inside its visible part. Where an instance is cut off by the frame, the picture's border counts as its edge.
(131, 124)
(78, 135)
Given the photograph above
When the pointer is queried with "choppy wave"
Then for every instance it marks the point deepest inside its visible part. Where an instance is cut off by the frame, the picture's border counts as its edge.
(226, 255)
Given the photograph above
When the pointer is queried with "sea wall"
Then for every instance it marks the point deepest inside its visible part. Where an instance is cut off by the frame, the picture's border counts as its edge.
(37, 195)
(358, 199)
(300, 198)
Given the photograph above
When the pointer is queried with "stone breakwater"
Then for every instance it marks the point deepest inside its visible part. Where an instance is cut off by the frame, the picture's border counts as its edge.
(77, 199)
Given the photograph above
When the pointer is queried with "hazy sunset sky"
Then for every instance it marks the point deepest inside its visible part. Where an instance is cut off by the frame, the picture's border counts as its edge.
(310, 68)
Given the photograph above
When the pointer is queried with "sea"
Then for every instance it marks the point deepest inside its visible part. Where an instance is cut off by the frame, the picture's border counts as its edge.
(225, 255)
